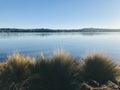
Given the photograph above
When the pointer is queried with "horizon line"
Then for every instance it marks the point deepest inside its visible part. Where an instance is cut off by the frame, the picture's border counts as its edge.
(60, 28)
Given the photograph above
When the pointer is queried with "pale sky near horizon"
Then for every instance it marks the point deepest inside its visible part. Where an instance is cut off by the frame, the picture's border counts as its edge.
(59, 14)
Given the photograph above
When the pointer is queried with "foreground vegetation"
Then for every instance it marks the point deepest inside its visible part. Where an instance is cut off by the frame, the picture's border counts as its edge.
(59, 72)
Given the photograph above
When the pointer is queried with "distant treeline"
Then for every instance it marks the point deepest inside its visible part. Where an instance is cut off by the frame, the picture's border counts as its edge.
(59, 30)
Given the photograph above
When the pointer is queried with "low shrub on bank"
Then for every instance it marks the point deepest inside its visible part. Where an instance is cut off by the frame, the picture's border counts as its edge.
(98, 67)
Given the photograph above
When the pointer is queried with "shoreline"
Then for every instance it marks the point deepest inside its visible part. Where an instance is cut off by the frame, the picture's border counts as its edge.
(59, 30)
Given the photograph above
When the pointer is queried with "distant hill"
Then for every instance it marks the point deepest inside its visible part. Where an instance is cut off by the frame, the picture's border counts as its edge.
(59, 30)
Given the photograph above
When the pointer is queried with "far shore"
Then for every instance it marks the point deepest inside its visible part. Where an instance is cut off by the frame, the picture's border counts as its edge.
(59, 30)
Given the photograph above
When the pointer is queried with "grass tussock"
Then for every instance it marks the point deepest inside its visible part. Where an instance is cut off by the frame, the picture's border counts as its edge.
(15, 70)
(58, 72)
(55, 73)
(98, 67)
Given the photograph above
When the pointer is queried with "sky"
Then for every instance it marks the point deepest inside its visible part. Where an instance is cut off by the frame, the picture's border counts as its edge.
(60, 14)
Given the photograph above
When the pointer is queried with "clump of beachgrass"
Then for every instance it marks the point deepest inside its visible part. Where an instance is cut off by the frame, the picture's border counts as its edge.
(98, 67)
(55, 73)
(15, 70)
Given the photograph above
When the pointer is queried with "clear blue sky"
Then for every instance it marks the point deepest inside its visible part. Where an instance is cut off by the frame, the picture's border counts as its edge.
(59, 14)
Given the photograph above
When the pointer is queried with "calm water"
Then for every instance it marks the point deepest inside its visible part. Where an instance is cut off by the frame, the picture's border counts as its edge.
(78, 44)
